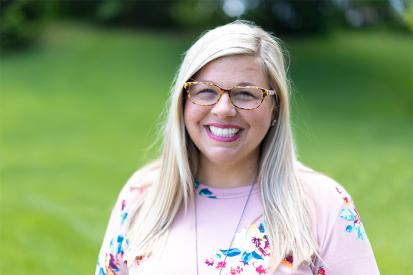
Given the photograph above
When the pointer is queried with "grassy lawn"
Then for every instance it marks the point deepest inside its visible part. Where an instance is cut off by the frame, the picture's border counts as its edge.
(79, 111)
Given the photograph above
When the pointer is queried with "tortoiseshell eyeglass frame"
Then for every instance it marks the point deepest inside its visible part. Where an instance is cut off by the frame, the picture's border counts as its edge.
(265, 92)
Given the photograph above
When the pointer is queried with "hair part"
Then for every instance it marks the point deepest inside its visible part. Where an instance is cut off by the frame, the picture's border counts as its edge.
(284, 202)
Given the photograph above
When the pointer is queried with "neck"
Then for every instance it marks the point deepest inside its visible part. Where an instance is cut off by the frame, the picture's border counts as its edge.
(227, 176)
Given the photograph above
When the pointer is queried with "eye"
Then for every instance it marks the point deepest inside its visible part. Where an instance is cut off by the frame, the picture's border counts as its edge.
(246, 94)
(205, 94)
(205, 91)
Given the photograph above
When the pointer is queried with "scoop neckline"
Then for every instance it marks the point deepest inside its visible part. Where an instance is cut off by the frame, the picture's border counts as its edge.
(203, 190)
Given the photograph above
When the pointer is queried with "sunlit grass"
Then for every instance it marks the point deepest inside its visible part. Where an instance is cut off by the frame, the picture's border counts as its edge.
(79, 111)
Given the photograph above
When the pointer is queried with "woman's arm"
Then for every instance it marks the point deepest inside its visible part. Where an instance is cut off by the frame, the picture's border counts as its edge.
(115, 242)
(345, 248)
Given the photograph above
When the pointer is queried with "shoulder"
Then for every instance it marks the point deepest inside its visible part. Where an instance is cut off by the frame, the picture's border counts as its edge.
(328, 202)
(129, 200)
(321, 189)
(137, 186)
(144, 177)
(342, 241)
(325, 197)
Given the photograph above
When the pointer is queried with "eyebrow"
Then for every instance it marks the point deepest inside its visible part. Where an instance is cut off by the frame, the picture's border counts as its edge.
(245, 84)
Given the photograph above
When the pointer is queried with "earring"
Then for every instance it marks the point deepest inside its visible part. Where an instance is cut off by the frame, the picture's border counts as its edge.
(273, 122)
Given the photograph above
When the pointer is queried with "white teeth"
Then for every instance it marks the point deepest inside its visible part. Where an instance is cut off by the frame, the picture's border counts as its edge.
(224, 132)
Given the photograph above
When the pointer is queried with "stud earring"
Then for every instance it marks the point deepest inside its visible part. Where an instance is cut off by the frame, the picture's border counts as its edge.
(273, 122)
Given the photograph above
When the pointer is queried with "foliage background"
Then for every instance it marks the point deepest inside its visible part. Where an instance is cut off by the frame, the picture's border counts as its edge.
(79, 111)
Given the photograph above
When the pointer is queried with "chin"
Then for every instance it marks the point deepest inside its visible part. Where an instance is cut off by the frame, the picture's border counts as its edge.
(222, 156)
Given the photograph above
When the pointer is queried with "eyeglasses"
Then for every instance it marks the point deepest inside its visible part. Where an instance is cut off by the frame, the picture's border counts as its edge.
(242, 97)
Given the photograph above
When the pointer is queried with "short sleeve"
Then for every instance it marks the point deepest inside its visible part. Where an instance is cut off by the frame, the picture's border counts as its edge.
(115, 242)
(345, 248)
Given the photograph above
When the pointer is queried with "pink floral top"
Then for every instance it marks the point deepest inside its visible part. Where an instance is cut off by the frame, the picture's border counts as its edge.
(342, 241)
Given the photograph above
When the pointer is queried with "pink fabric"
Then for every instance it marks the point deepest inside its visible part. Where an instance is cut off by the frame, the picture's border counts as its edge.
(343, 243)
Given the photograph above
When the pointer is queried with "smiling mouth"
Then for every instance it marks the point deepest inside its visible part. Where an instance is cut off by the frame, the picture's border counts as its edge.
(226, 134)
(223, 132)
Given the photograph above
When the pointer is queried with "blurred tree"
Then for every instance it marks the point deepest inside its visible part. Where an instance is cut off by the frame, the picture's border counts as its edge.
(368, 13)
(201, 14)
(77, 8)
(20, 22)
(284, 16)
(152, 14)
(408, 16)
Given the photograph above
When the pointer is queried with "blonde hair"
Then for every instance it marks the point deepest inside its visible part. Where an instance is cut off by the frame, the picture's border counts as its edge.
(284, 203)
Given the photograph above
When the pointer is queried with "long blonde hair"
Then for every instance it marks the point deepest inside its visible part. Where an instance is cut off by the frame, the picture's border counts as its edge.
(284, 203)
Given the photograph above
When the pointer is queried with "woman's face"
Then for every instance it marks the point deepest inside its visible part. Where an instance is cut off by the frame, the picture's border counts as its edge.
(224, 134)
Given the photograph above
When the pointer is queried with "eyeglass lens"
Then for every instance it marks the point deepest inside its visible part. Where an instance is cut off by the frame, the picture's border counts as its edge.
(241, 97)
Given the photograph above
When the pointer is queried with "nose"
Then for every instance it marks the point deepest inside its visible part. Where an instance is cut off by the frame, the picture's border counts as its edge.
(224, 107)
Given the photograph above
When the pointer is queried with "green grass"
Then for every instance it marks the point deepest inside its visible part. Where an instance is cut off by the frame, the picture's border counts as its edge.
(79, 111)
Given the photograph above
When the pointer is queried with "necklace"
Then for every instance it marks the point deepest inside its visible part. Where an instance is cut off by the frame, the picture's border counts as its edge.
(233, 235)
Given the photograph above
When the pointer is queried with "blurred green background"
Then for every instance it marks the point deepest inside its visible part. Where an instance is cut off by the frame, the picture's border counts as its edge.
(83, 83)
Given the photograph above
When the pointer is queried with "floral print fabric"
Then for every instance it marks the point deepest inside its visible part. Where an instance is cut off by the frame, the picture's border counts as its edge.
(350, 214)
(110, 261)
(337, 227)
(249, 254)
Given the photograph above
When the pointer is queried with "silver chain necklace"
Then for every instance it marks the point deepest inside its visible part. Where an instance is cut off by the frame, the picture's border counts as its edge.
(233, 235)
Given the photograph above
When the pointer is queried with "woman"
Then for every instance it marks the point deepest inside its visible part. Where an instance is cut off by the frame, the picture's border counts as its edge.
(227, 195)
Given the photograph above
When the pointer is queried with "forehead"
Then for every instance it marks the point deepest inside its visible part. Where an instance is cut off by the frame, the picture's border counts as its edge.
(232, 70)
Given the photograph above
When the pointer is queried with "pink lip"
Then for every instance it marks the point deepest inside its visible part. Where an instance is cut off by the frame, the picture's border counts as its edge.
(223, 139)
(223, 126)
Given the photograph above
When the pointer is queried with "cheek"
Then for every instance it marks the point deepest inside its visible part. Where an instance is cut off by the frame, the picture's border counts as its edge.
(193, 114)
(260, 121)
(268, 112)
